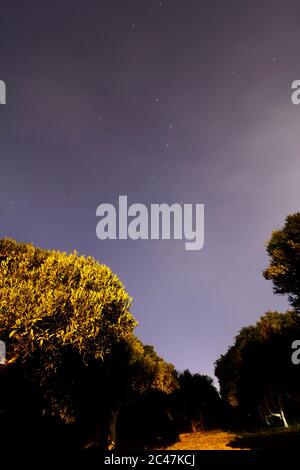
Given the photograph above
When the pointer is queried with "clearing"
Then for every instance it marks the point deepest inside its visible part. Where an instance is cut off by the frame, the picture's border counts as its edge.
(276, 439)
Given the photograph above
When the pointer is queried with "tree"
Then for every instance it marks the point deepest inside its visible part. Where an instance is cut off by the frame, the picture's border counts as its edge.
(257, 374)
(131, 371)
(67, 325)
(197, 402)
(284, 252)
(157, 419)
(228, 366)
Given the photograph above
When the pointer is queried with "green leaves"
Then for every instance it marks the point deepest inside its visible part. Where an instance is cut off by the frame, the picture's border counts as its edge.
(63, 315)
(63, 298)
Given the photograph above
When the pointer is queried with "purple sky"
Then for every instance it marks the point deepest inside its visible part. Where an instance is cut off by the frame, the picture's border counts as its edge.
(163, 101)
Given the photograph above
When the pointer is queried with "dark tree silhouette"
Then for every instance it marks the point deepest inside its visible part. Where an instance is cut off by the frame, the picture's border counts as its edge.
(257, 374)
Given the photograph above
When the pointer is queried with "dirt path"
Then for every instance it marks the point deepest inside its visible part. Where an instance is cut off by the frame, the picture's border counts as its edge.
(213, 440)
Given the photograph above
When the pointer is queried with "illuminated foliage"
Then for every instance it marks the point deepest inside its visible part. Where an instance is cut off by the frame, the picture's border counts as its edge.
(66, 321)
(284, 252)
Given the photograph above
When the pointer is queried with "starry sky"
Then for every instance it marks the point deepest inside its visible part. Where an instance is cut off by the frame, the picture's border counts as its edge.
(163, 101)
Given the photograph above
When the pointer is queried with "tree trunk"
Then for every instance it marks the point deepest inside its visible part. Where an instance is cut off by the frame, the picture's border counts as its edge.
(112, 428)
(104, 430)
(285, 424)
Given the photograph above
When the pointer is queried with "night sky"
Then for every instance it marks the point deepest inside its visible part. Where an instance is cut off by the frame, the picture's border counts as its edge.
(163, 101)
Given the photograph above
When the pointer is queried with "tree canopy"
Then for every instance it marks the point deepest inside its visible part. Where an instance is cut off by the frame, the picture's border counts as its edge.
(284, 252)
(66, 323)
(257, 374)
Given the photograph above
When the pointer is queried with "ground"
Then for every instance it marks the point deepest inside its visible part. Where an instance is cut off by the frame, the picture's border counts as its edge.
(222, 440)
(213, 440)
